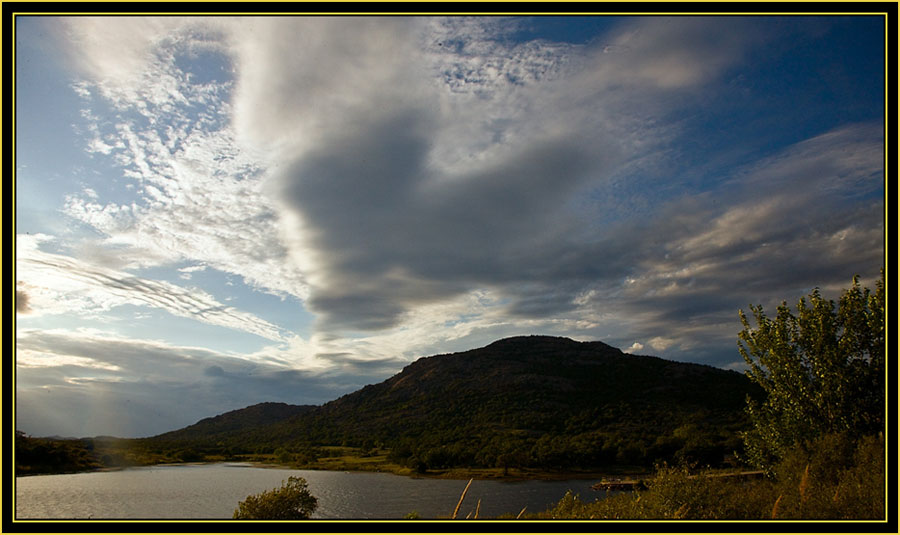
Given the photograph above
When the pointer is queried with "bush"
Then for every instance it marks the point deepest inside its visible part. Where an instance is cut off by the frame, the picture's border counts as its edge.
(291, 502)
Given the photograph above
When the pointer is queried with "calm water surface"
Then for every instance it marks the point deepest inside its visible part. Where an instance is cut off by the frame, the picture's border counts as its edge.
(212, 491)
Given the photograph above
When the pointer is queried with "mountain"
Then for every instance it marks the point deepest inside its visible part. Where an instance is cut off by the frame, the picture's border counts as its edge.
(540, 400)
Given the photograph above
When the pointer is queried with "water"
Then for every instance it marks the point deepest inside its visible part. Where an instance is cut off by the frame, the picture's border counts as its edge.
(212, 491)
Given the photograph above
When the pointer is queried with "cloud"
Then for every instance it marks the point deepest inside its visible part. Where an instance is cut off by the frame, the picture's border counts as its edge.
(200, 195)
(676, 53)
(810, 215)
(386, 237)
(385, 218)
(476, 180)
(285, 100)
(214, 371)
(441, 183)
(187, 272)
(432, 158)
(60, 284)
(660, 344)
(128, 59)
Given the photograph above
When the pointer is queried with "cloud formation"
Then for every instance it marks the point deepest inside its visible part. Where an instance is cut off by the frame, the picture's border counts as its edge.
(388, 224)
(435, 157)
(399, 187)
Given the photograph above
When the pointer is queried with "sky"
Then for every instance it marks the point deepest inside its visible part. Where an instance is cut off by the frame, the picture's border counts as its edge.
(213, 212)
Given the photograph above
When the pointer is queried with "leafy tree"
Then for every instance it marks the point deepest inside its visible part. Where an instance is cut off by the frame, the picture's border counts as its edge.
(822, 370)
(290, 502)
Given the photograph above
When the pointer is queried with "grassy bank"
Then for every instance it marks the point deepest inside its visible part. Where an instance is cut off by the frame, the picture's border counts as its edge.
(835, 480)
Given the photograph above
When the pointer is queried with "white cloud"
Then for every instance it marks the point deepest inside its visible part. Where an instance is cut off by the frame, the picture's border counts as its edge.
(128, 59)
(660, 344)
(187, 272)
(286, 101)
(35, 359)
(673, 53)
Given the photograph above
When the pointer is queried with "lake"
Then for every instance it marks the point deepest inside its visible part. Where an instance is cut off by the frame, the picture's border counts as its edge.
(212, 491)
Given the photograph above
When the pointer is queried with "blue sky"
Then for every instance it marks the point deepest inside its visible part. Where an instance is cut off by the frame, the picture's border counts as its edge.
(213, 212)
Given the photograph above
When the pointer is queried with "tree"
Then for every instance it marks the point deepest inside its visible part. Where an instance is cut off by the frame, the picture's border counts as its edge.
(290, 502)
(821, 369)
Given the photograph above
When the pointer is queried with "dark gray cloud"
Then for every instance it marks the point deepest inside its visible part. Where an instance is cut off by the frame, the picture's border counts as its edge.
(214, 371)
(421, 197)
(350, 364)
(390, 232)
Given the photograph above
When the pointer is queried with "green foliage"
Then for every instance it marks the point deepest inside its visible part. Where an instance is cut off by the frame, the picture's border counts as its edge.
(290, 502)
(822, 370)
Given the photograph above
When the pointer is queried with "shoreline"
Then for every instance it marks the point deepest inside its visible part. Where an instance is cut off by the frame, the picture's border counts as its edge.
(464, 474)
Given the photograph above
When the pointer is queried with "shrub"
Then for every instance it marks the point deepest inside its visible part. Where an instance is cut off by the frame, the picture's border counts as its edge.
(290, 502)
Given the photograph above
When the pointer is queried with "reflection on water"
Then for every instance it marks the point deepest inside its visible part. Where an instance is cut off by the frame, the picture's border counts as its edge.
(212, 491)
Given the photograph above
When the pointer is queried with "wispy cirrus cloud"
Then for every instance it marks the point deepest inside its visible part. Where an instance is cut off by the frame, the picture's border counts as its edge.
(198, 194)
(61, 284)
